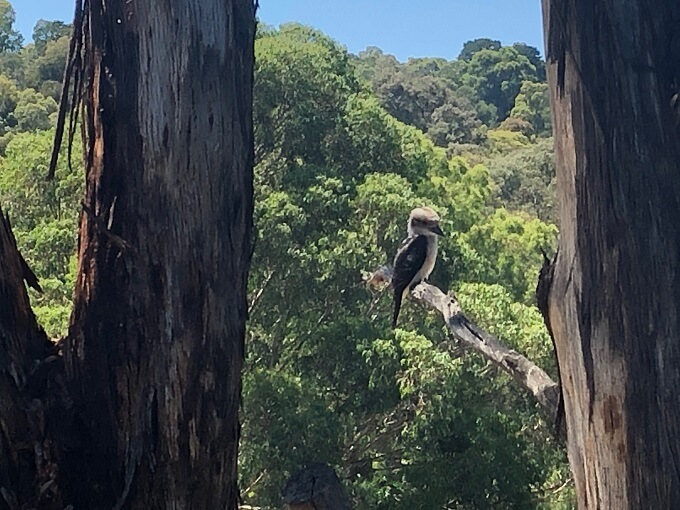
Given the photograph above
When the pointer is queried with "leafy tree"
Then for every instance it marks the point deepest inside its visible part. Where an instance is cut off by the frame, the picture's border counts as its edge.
(33, 111)
(425, 66)
(525, 180)
(518, 126)
(532, 105)
(503, 141)
(507, 249)
(408, 413)
(428, 104)
(373, 63)
(476, 45)
(496, 76)
(9, 96)
(46, 31)
(10, 39)
(13, 65)
(534, 57)
(47, 67)
(294, 67)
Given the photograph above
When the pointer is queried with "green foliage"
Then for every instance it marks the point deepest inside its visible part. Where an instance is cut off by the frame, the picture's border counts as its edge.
(430, 105)
(532, 104)
(300, 75)
(525, 180)
(47, 67)
(497, 75)
(293, 416)
(454, 101)
(407, 419)
(33, 111)
(9, 96)
(476, 45)
(46, 31)
(534, 57)
(503, 142)
(10, 39)
(372, 64)
(44, 215)
(13, 65)
(508, 251)
(345, 146)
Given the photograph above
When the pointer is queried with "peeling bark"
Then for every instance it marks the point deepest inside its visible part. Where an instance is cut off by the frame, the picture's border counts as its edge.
(614, 71)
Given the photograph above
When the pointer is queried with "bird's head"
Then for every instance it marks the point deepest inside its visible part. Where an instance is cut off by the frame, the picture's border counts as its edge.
(423, 221)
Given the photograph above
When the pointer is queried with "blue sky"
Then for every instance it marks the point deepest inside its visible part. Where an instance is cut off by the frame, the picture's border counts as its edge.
(403, 28)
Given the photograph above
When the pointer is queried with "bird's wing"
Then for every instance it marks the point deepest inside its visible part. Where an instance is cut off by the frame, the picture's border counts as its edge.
(408, 261)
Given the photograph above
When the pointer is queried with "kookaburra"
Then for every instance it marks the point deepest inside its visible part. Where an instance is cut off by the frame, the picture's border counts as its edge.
(416, 256)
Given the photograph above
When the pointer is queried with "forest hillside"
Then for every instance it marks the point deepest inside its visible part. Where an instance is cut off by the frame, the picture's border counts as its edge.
(345, 146)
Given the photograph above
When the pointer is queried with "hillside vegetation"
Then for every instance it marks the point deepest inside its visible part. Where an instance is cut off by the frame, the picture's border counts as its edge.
(345, 146)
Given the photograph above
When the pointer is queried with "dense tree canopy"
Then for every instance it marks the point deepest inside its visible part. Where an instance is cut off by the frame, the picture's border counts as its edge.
(345, 146)
(10, 39)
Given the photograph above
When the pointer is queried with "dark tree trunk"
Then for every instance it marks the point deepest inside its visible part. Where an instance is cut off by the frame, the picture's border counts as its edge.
(28, 456)
(614, 306)
(155, 345)
(154, 354)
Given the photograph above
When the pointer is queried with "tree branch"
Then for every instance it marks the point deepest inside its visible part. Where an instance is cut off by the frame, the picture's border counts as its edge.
(529, 375)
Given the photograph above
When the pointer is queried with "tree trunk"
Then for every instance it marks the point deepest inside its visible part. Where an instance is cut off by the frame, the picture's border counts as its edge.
(155, 345)
(28, 455)
(316, 487)
(614, 305)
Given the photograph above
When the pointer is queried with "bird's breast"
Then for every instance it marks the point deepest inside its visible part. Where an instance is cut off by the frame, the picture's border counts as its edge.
(430, 259)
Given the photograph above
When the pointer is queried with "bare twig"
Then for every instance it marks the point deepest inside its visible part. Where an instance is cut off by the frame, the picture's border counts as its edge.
(257, 480)
(258, 295)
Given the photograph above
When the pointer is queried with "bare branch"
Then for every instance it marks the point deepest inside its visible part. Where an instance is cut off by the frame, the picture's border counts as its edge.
(255, 299)
(244, 492)
(529, 375)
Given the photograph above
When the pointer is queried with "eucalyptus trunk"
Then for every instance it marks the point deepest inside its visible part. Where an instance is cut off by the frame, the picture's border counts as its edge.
(614, 305)
(141, 411)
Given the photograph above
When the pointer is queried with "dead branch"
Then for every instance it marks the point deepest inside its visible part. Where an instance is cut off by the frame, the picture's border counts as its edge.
(529, 375)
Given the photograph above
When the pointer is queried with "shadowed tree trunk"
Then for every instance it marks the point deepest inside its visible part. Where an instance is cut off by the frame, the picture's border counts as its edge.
(614, 305)
(28, 365)
(155, 345)
(155, 348)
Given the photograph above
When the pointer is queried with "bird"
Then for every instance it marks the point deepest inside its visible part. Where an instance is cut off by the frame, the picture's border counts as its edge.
(416, 256)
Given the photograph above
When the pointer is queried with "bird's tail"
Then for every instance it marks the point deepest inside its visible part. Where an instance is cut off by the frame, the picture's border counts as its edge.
(398, 296)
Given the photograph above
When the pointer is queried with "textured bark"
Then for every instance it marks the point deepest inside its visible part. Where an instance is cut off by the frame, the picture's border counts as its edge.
(29, 472)
(614, 304)
(155, 345)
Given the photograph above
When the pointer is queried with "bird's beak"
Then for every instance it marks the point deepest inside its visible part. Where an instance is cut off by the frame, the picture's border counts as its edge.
(437, 230)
